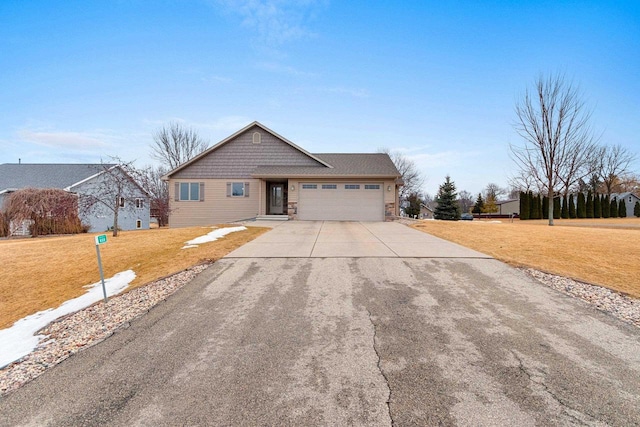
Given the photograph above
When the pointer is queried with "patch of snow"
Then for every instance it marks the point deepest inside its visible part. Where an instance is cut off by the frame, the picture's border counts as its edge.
(212, 236)
(19, 340)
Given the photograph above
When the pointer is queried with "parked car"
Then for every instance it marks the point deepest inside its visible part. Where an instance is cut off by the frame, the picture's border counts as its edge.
(466, 217)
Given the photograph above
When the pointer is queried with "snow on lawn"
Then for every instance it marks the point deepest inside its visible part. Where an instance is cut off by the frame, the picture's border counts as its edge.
(212, 236)
(19, 340)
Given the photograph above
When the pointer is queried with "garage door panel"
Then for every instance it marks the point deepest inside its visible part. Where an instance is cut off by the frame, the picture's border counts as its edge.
(341, 201)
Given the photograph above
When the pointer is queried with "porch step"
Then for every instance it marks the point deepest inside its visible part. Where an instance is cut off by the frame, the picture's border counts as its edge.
(272, 218)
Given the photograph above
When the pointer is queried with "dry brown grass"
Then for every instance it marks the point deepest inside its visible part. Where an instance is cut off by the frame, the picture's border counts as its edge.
(42, 273)
(603, 252)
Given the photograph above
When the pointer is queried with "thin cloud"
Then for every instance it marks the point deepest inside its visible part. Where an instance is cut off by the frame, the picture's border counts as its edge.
(64, 140)
(216, 79)
(278, 68)
(274, 21)
(356, 93)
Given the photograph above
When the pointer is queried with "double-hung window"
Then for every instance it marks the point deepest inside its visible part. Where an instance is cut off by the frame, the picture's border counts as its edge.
(189, 191)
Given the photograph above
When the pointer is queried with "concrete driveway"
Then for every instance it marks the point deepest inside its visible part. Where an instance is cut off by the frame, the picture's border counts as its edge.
(375, 340)
(322, 239)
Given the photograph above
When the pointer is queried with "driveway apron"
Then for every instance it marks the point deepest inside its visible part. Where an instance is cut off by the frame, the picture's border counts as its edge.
(372, 324)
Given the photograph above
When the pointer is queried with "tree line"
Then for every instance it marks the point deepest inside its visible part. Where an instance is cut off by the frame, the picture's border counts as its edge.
(589, 205)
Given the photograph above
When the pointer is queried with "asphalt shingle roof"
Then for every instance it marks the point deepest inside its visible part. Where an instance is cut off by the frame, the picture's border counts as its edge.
(349, 164)
(45, 175)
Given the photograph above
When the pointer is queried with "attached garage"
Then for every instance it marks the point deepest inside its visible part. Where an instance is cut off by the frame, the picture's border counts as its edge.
(341, 201)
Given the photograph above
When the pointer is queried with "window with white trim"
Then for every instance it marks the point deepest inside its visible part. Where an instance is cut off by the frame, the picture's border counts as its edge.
(352, 186)
(189, 191)
(329, 186)
(309, 186)
(121, 202)
(139, 223)
(372, 186)
(139, 203)
(257, 138)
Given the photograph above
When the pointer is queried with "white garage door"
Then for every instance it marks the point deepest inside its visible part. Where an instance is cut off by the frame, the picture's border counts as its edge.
(341, 201)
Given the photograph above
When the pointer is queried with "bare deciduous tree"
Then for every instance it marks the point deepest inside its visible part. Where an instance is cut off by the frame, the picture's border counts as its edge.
(175, 144)
(525, 181)
(150, 179)
(465, 201)
(555, 125)
(411, 175)
(630, 182)
(494, 190)
(112, 191)
(614, 162)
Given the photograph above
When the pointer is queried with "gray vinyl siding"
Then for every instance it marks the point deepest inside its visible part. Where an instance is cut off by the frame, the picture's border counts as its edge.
(217, 207)
(101, 218)
(239, 157)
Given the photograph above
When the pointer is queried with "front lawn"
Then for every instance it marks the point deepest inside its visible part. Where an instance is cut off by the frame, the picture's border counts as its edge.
(599, 251)
(42, 273)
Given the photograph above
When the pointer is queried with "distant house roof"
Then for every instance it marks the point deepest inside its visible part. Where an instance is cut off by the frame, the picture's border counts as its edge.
(623, 195)
(14, 176)
(502, 202)
(342, 165)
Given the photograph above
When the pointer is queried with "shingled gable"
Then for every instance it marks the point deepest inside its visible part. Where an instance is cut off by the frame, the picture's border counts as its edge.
(238, 156)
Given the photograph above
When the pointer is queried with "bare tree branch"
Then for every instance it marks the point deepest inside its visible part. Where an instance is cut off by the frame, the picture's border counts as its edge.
(614, 162)
(149, 178)
(175, 144)
(411, 175)
(113, 190)
(558, 140)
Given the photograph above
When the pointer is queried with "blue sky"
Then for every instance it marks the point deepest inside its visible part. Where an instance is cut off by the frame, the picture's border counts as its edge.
(84, 80)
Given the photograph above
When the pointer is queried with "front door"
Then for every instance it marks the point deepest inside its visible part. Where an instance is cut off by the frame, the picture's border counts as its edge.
(276, 199)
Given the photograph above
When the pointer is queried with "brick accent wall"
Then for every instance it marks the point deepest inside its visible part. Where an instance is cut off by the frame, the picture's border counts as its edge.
(292, 210)
(389, 211)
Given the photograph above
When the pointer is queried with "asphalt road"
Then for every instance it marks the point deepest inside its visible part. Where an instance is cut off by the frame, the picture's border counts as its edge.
(350, 341)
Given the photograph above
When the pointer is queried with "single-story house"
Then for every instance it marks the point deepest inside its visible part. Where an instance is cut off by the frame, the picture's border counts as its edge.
(426, 211)
(630, 200)
(80, 179)
(257, 173)
(508, 207)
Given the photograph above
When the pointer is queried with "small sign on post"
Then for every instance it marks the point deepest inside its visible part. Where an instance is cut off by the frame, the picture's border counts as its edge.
(100, 239)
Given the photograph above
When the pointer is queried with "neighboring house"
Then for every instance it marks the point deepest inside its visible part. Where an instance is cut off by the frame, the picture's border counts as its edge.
(80, 179)
(426, 212)
(630, 200)
(508, 207)
(256, 172)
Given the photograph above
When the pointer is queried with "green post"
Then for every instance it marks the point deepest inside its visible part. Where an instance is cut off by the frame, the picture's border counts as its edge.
(100, 240)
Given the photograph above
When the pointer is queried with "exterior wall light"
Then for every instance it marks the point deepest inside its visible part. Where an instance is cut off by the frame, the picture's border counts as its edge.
(389, 188)
(293, 188)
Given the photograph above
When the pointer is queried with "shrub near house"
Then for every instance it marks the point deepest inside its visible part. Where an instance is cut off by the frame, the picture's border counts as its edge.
(42, 211)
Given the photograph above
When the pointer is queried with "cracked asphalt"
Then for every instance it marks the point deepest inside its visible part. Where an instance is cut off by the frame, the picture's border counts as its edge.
(350, 341)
